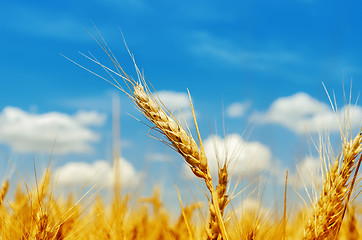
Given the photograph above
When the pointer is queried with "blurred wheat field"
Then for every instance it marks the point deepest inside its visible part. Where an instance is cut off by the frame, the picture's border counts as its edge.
(36, 213)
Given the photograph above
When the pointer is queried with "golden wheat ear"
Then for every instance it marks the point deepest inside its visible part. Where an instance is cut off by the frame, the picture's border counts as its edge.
(177, 136)
(329, 211)
(182, 141)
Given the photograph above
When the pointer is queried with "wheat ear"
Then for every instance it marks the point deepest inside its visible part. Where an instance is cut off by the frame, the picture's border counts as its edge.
(328, 212)
(222, 200)
(177, 136)
(183, 142)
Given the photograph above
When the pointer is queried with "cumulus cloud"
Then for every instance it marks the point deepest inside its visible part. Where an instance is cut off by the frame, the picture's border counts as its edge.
(302, 114)
(89, 118)
(99, 172)
(237, 109)
(308, 173)
(30, 132)
(178, 103)
(174, 100)
(243, 157)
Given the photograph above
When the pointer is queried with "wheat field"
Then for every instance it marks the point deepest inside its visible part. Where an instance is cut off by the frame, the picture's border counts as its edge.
(36, 213)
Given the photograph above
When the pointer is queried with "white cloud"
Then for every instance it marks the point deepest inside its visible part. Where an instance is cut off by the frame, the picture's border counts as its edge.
(99, 172)
(237, 109)
(174, 100)
(302, 114)
(89, 118)
(308, 173)
(243, 157)
(178, 103)
(30, 132)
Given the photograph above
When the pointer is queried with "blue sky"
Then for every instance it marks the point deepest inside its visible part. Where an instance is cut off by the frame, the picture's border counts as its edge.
(255, 65)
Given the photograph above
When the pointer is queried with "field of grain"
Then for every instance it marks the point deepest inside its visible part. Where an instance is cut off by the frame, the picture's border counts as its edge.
(36, 213)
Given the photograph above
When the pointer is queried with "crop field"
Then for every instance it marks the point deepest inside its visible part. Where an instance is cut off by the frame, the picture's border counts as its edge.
(36, 212)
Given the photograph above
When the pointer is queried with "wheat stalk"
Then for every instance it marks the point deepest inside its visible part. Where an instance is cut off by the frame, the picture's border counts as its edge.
(177, 136)
(329, 210)
(223, 199)
(183, 142)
